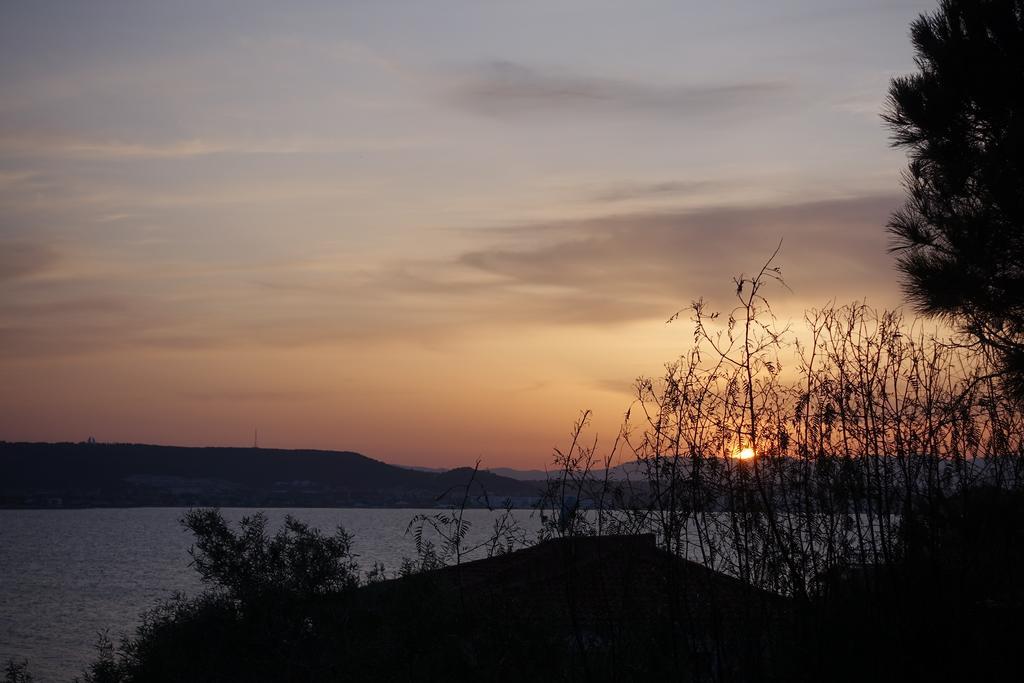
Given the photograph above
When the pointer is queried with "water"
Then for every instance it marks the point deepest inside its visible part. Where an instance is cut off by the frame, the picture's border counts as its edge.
(68, 575)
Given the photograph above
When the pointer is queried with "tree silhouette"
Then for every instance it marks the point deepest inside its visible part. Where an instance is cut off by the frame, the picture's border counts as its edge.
(960, 234)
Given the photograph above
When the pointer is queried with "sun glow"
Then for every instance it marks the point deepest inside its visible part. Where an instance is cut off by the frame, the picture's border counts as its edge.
(744, 454)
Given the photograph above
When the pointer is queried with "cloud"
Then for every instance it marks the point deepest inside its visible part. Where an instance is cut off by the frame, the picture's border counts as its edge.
(39, 144)
(253, 396)
(610, 270)
(79, 306)
(830, 248)
(502, 88)
(604, 271)
(18, 180)
(22, 259)
(36, 144)
(616, 386)
(624, 192)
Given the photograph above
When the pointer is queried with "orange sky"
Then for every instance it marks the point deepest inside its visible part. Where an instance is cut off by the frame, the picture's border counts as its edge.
(426, 234)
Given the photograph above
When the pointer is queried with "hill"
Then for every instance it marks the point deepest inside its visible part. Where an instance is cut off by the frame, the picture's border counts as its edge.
(126, 475)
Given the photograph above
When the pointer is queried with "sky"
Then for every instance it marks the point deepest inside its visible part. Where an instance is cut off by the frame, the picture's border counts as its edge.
(430, 232)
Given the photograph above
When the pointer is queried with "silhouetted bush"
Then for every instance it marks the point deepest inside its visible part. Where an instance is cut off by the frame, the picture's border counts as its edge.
(17, 672)
(267, 607)
(298, 561)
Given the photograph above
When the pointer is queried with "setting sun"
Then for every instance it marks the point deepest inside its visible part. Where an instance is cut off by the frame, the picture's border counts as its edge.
(744, 454)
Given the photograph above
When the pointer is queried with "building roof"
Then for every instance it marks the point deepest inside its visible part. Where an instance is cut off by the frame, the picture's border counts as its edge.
(596, 581)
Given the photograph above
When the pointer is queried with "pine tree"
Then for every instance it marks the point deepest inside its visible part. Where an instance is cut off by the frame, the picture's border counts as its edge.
(960, 116)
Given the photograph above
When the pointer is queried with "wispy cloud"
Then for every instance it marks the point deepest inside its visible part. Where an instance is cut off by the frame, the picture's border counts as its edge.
(22, 259)
(17, 179)
(254, 395)
(604, 271)
(39, 144)
(502, 88)
(832, 248)
(616, 386)
(624, 192)
(615, 269)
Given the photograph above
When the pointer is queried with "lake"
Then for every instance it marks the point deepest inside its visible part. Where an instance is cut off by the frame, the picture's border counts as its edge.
(68, 575)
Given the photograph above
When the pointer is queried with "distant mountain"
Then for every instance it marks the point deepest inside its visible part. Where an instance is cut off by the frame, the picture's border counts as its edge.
(628, 470)
(521, 475)
(125, 475)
